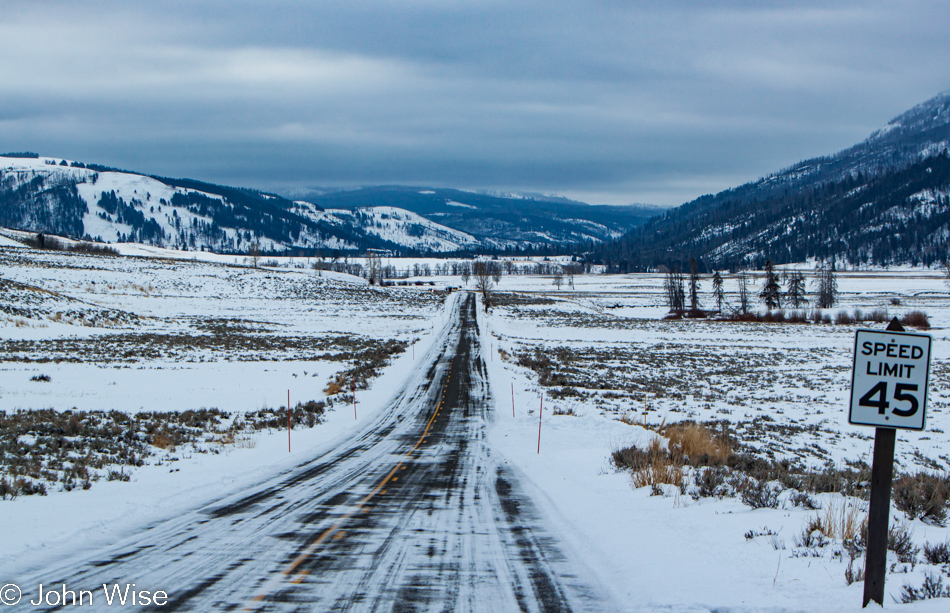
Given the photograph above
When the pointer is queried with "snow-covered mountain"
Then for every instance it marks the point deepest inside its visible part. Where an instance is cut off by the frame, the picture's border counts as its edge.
(77, 200)
(499, 218)
(883, 201)
(398, 226)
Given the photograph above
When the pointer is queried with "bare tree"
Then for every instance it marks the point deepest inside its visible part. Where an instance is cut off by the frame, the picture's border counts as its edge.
(827, 287)
(743, 293)
(483, 281)
(374, 267)
(558, 278)
(495, 272)
(693, 285)
(255, 252)
(675, 294)
(466, 272)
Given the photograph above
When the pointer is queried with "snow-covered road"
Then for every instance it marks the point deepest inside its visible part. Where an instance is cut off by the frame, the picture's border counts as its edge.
(410, 514)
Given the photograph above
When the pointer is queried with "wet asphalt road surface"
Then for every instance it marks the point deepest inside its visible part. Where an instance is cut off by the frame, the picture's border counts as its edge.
(412, 514)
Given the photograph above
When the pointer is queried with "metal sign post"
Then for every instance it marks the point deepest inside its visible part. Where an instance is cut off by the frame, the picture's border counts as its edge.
(888, 391)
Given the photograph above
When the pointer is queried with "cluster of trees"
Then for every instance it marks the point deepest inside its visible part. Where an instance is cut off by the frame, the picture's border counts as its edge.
(683, 293)
(41, 203)
(144, 230)
(376, 270)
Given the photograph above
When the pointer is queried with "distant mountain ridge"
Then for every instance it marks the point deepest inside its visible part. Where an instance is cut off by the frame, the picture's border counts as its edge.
(78, 200)
(883, 201)
(499, 219)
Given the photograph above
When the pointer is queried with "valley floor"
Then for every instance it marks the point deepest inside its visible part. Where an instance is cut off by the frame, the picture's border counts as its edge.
(141, 334)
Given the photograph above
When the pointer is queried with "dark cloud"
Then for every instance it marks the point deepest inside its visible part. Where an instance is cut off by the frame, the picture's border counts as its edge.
(611, 101)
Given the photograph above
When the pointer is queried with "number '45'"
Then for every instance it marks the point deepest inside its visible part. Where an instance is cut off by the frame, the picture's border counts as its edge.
(877, 398)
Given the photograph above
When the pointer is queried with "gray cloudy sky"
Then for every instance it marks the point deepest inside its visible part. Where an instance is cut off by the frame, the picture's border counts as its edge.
(602, 100)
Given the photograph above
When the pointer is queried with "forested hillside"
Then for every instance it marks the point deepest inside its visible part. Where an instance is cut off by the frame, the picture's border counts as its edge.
(882, 202)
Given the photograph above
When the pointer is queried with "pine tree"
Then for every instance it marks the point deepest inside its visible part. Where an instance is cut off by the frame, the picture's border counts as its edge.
(718, 294)
(771, 293)
(795, 294)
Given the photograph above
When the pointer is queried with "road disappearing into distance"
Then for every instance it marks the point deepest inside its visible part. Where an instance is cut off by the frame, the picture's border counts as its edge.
(412, 513)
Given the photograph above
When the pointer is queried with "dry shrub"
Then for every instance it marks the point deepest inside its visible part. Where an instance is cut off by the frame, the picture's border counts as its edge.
(843, 318)
(932, 588)
(758, 494)
(842, 519)
(651, 466)
(333, 388)
(802, 499)
(811, 536)
(853, 574)
(937, 554)
(900, 540)
(711, 482)
(660, 467)
(922, 495)
(776, 317)
(916, 319)
(245, 442)
(164, 440)
(698, 443)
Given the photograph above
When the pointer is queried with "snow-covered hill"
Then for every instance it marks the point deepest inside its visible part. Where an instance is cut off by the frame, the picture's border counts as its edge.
(399, 226)
(883, 201)
(72, 199)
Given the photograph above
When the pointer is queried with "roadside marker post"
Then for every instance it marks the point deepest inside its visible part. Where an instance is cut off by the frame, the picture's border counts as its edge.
(288, 421)
(540, 412)
(512, 400)
(353, 384)
(889, 381)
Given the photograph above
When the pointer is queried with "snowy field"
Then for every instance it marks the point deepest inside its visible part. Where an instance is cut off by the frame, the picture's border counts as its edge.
(158, 334)
(616, 366)
(133, 334)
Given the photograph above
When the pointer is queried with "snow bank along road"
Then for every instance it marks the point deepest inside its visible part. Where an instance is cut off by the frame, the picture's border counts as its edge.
(411, 514)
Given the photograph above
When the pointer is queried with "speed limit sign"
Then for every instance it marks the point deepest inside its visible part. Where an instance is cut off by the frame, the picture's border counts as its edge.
(889, 379)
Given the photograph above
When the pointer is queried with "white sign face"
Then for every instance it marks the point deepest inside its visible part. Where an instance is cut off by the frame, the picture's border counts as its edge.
(889, 380)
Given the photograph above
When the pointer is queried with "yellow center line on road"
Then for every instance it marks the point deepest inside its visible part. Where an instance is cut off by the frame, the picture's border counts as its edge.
(360, 506)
